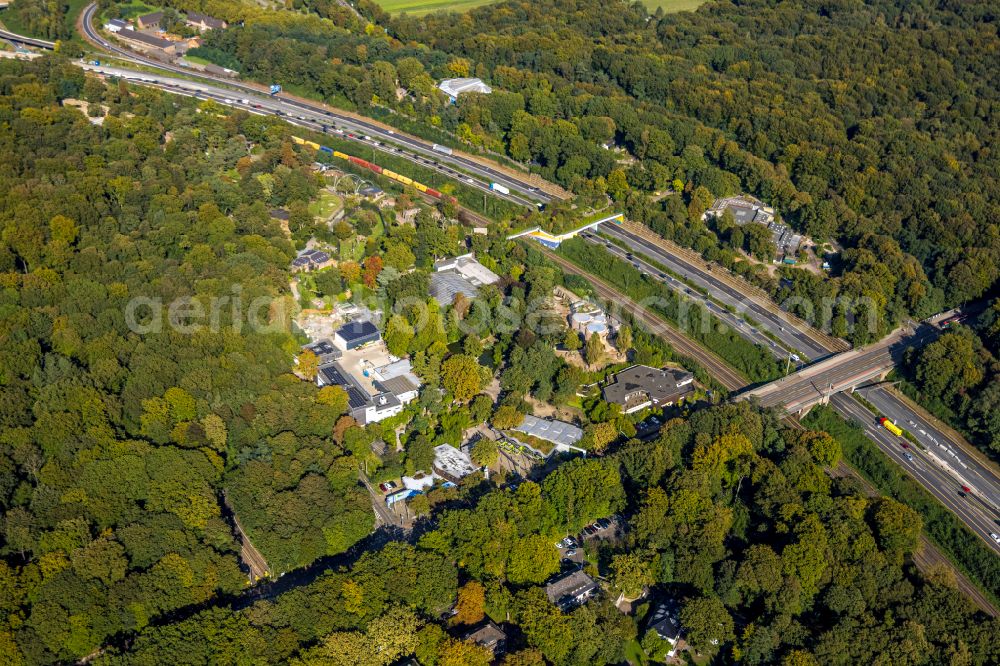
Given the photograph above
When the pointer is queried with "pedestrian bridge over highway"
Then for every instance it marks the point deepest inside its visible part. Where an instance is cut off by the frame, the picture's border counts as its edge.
(815, 384)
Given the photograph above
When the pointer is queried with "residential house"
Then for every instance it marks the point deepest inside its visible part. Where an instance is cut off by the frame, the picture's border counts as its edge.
(150, 21)
(203, 22)
(309, 260)
(641, 386)
(455, 87)
(355, 334)
(663, 620)
(489, 636)
(570, 590)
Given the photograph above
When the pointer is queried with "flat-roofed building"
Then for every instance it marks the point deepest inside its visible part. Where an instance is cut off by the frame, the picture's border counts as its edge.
(560, 433)
(355, 334)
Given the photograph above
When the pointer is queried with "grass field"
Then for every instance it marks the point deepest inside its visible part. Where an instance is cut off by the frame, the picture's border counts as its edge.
(324, 207)
(418, 7)
(673, 5)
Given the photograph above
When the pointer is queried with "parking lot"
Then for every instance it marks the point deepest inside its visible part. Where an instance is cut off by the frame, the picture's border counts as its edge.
(571, 547)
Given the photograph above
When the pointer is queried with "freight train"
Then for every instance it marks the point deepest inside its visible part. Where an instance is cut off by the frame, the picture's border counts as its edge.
(374, 168)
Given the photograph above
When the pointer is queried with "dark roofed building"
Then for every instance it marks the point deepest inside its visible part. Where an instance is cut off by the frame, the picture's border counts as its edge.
(310, 259)
(572, 589)
(334, 375)
(355, 334)
(663, 620)
(325, 352)
(203, 22)
(489, 636)
(144, 42)
(280, 214)
(642, 386)
(150, 21)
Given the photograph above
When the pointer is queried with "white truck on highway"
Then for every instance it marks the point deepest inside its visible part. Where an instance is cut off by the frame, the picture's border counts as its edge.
(497, 187)
(442, 149)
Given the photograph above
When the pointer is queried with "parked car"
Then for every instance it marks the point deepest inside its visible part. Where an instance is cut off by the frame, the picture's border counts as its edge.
(590, 530)
(387, 486)
(571, 552)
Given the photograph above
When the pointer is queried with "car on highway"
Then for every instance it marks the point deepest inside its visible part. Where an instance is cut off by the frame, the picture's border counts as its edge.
(904, 445)
(995, 536)
(966, 489)
(909, 456)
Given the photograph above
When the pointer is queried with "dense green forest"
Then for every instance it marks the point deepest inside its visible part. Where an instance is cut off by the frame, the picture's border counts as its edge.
(958, 378)
(114, 445)
(727, 513)
(145, 370)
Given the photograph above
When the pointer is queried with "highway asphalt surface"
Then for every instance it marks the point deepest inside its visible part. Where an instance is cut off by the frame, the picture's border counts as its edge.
(941, 482)
(972, 471)
(978, 475)
(719, 290)
(734, 321)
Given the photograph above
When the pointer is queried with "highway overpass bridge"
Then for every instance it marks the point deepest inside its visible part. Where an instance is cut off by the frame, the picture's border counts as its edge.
(814, 384)
(27, 41)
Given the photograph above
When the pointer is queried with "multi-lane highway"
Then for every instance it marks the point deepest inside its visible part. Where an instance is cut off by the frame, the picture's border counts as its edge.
(974, 472)
(525, 189)
(926, 468)
(792, 334)
(734, 321)
(846, 371)
(267, 105)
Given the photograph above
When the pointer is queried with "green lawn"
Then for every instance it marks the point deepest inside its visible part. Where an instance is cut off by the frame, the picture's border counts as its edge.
(673, 5)
(418, 7)
(324, 207)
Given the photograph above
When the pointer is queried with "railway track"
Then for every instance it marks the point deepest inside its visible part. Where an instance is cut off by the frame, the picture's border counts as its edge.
(718, 368)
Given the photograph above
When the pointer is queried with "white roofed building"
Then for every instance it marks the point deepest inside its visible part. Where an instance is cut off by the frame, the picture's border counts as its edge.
(455, 87)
